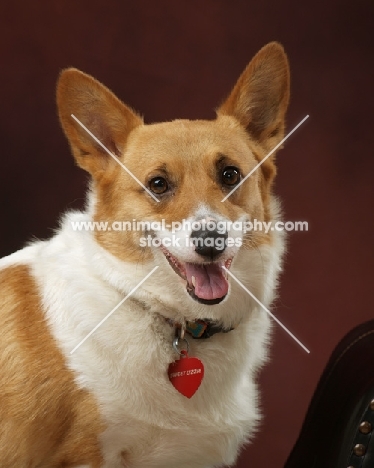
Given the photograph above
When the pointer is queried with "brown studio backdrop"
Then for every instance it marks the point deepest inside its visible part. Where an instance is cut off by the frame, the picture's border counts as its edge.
(178, 60)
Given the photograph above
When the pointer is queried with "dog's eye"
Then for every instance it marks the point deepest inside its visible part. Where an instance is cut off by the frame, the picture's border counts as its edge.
(230, 175)
(158, 185)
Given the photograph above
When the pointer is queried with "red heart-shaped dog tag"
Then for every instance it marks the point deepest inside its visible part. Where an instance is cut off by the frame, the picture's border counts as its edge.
(186, 374)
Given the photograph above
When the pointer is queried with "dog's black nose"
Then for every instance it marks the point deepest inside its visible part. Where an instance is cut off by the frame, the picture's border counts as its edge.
(209, 243)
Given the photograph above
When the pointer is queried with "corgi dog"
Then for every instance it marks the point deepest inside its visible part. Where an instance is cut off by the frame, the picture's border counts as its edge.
(140, 348)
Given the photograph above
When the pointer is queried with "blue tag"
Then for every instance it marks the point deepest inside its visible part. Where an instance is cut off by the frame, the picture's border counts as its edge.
(196, 329)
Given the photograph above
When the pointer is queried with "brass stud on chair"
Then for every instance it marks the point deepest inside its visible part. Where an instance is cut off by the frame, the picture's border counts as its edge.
(365, 427)
(372, 405)
(359, 450)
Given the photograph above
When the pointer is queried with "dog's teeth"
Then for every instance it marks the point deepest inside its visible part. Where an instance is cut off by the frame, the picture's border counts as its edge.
(193, 281)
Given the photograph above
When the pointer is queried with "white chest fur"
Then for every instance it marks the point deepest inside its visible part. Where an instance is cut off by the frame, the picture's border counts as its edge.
(124, 363)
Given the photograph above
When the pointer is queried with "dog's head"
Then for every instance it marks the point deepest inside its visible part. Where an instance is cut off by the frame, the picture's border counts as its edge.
(161, 189)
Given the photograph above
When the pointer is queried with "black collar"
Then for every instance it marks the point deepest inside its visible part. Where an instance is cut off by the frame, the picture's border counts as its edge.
(200, 329)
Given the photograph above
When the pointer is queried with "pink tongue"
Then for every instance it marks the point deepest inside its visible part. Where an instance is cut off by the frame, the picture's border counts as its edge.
(210, 282)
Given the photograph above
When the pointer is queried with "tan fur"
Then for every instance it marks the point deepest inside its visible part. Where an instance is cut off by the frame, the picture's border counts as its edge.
(44, 416)
(249, 124)
(189, 167)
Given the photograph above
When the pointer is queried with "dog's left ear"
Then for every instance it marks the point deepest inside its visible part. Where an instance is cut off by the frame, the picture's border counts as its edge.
(101, 112)
(260, 97)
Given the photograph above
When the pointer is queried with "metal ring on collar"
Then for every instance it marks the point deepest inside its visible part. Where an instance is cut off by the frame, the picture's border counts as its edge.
(176, 342)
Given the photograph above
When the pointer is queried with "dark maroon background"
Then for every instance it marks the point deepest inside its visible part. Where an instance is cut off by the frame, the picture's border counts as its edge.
(178, 59)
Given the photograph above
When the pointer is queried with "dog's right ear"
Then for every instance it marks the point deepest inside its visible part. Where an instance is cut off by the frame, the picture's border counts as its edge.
(101, 112)
(260, 97)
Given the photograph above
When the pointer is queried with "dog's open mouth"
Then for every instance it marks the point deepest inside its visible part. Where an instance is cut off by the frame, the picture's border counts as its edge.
(206, 283)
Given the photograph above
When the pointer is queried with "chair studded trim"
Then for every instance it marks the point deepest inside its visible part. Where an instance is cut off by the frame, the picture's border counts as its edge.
(362, 451)
(335, 433)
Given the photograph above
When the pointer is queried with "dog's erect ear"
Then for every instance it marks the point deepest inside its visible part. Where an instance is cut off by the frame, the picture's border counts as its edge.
(260, 97)
(98, 109)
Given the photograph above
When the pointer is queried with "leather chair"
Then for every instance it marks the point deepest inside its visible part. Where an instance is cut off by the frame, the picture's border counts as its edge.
(338, 431)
